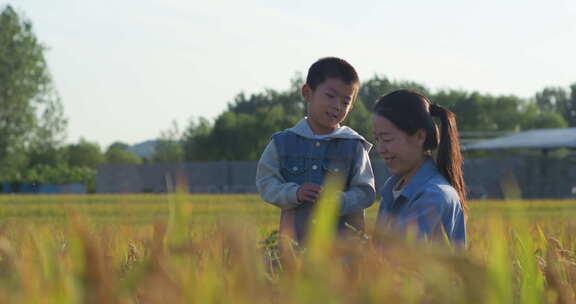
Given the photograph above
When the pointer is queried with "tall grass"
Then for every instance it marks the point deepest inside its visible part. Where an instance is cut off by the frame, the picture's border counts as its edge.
(221, 249)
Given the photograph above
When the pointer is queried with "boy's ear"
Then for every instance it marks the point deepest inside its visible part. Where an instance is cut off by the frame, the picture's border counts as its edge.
(306, 92)
(355, 97)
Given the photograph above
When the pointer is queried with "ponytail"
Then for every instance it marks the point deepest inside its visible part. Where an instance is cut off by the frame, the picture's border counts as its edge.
(410, 112)
(449, 158)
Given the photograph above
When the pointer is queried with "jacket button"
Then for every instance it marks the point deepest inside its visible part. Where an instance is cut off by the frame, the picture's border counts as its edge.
(314, 167)
(295, 169)
(317, 144)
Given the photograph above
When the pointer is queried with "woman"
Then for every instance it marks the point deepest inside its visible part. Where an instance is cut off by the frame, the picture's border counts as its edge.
(423, 193)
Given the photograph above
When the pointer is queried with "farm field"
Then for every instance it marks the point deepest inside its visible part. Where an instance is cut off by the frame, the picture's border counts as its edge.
(220, 249)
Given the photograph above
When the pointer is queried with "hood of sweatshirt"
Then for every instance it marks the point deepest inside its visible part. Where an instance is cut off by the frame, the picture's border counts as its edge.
(302, 128)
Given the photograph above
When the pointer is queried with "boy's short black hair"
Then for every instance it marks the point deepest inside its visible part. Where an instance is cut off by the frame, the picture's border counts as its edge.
(331, 67)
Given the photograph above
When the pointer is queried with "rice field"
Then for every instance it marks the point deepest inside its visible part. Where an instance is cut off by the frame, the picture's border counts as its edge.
(182, 248)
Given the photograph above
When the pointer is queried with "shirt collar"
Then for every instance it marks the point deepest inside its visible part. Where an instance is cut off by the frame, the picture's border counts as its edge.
(422, 175)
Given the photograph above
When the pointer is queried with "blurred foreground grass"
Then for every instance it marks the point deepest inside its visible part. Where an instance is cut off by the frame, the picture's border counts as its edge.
(218, 249)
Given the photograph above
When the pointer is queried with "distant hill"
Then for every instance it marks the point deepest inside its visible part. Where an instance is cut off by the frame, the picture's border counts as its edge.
(144, 149)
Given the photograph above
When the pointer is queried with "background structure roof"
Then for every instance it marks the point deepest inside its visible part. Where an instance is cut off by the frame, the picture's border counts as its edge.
(533, 139)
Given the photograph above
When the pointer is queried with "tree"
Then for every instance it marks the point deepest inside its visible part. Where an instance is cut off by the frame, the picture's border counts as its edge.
(196, 140)
(559, 100)
(290, 100)
(168, 151)
(360, 119)
(117, 153)
(571, 107)
(243, 136)
(47, 156)
(31, 115)
(62, 174)
(85, 154)
(121, 156)
(378, 85)
(242, 132)
(118, 145)
(244, 129)
(535, 118)
(169, 148)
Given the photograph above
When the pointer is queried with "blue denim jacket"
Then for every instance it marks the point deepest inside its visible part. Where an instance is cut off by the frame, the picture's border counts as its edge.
(303, 160)
(427, 201)
(296, 156)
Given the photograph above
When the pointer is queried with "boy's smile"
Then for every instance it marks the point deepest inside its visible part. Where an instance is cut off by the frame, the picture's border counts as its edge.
(328, 104)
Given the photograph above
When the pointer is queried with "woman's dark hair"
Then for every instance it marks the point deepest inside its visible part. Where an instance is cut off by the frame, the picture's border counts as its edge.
(410, 112)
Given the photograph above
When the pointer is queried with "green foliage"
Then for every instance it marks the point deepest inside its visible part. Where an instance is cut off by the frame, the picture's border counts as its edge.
(48, 156)
(560, 101)
(85, 154)
(11, 166)
(117, 154)
(62, 174)
(32, 114)
(535, 118)
(378, 85)
(75, 163)
(196, 140)
(120, 156)
(243, 136)
(243, 131)
(118, 145)
(360, 119)
(169, 149)
(476, 112)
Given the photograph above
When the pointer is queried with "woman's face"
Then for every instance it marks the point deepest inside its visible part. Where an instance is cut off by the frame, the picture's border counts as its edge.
(402, 153)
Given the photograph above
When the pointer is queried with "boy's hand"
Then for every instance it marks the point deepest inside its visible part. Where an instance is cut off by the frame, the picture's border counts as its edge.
(308, 192)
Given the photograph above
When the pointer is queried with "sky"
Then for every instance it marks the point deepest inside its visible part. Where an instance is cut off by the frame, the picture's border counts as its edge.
(126, 70)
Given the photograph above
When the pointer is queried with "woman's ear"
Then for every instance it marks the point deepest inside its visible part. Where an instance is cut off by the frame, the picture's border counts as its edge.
(306, 92)
(420, 137)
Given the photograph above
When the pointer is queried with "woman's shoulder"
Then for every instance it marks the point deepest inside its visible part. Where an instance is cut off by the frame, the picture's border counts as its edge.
(439, 189)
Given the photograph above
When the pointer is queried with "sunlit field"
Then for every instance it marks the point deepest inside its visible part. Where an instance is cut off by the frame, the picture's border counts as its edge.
(222, 249)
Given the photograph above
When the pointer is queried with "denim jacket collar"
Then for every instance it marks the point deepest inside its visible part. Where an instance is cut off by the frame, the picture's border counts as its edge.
(426, 171)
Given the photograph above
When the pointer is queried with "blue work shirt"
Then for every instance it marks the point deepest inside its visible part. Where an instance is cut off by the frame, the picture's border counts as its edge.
(427, 202)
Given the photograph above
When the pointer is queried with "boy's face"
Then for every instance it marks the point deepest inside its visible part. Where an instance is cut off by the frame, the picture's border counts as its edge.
(328, 104)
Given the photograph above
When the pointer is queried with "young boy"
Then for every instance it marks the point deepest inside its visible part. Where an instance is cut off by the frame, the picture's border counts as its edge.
(293, 166)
